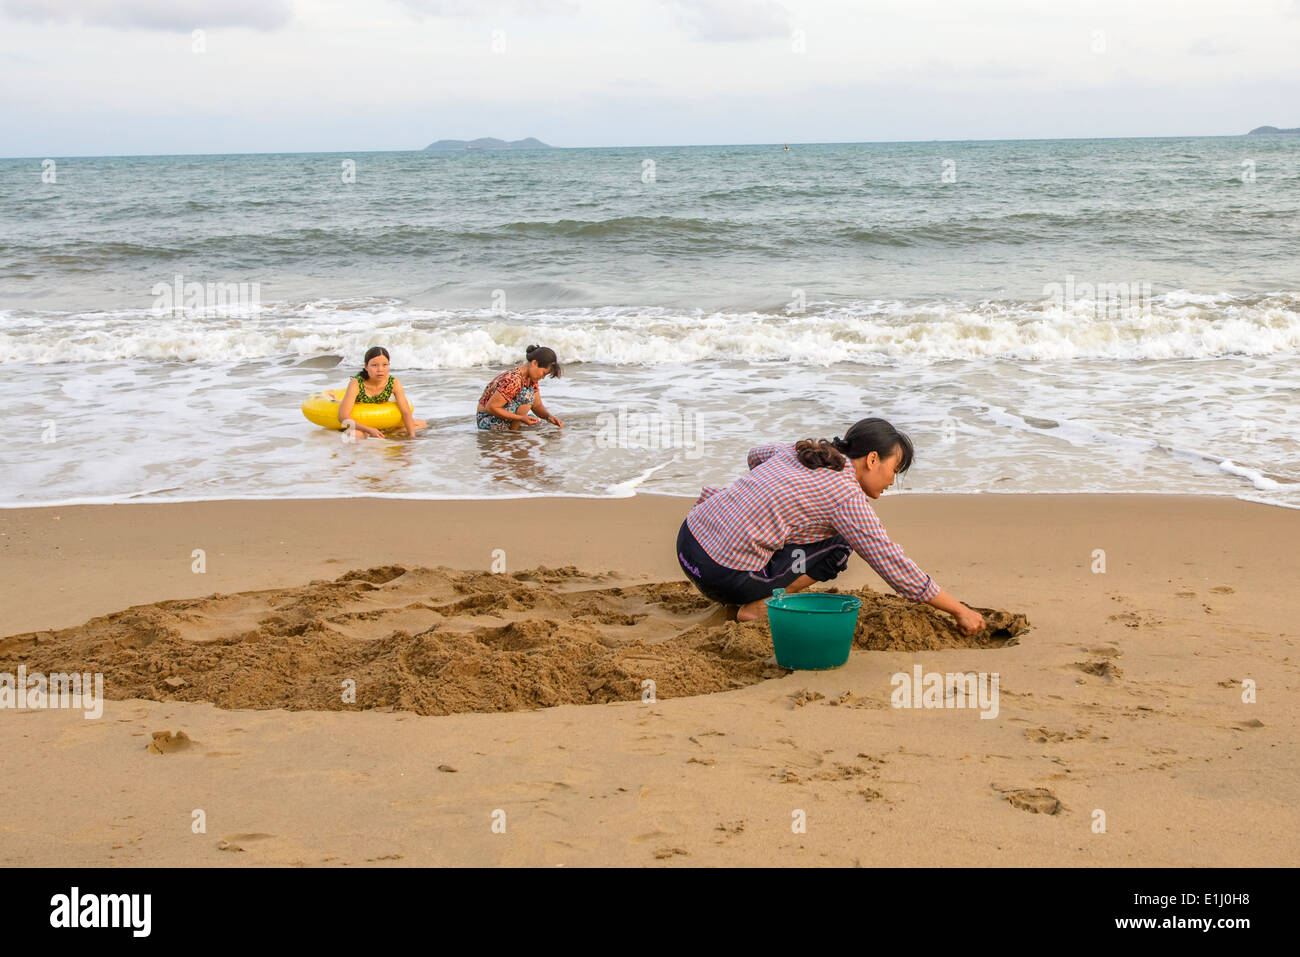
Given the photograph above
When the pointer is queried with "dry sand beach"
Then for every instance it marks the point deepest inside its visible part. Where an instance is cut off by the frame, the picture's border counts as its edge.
(516, 697)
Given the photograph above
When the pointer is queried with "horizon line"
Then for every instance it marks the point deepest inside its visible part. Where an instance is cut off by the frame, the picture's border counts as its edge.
(659, 146)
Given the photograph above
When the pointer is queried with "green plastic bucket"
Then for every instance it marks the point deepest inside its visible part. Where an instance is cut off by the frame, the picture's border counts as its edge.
(812, 631)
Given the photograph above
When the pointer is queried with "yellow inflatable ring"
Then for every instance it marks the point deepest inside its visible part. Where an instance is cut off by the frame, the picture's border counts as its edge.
(323, 409)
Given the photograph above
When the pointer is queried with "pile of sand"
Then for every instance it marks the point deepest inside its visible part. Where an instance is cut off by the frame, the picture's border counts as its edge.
(890, 623)
(440, 641)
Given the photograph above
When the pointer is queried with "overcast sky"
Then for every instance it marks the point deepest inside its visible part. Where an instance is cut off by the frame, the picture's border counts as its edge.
(106, 77)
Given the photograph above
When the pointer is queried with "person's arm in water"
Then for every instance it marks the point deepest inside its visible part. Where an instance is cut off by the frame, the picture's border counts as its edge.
(858, 523)
(345, 412)
(497, 406)
(408, 417)
(540, 410)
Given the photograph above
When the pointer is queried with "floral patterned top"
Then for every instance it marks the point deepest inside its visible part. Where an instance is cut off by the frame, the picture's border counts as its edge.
(509, 383)
(385, 396)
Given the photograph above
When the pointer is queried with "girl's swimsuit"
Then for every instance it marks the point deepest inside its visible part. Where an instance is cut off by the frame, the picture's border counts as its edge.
(385, 396)
(510, 384)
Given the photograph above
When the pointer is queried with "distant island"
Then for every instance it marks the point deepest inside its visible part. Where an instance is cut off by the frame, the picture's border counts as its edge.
(1271, 129)
(489, 143)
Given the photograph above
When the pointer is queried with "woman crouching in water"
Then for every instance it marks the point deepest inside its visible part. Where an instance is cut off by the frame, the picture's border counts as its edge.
(796, 516)
(372, 386)
(513, 396)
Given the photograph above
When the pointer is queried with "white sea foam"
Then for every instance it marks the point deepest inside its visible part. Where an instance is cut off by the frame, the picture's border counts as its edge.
(230, 427)
(1176, 325)
(1256, 477)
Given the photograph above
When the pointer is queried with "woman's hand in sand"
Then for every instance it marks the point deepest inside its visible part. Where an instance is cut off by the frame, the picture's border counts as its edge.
(554, 420)
(530, 420)
(969, 621)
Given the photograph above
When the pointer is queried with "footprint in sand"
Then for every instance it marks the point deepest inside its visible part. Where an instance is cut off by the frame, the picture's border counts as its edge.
(1249, 725)
(1034, 800)
(840, 772)
(1102, 669)
(803, 696)
(1048, 736)
(164, 742)
(648, 836)
(1131, 619)
(731, 830)
(711, 733)
(235, 842)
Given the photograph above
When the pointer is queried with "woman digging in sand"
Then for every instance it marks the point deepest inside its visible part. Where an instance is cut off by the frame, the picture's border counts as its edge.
(794, 518)
(511, 397)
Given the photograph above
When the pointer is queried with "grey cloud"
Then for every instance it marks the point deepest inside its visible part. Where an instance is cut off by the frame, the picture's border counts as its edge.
(722, 20)
(1208, 46)
(490, 8)
(173, 15)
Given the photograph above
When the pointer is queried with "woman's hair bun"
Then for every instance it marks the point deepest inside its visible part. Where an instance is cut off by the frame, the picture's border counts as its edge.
(840, 444)
(530, 350)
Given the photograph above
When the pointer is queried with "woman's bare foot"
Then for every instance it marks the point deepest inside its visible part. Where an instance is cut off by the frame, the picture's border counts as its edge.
(758, 607)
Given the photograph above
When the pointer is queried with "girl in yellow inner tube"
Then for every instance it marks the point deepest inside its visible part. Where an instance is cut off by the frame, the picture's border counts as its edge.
(371, 386)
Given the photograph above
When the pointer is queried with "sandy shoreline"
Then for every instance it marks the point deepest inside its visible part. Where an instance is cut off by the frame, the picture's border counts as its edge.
(1123, 696)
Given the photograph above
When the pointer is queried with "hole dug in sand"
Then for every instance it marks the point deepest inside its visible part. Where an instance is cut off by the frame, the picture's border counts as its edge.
(441, 641)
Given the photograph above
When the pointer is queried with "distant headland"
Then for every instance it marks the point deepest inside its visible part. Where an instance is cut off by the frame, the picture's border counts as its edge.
(1272, 129)
(489, 143)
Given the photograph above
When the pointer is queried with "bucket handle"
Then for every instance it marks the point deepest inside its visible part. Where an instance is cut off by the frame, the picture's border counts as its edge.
(846, 604)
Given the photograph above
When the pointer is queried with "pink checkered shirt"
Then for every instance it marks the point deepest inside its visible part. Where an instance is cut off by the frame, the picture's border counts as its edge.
(781, 502)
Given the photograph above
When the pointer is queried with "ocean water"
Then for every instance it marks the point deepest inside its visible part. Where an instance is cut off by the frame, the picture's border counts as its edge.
(1039, 316)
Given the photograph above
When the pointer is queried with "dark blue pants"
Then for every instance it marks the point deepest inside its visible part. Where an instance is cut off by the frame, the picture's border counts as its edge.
(821, 561)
